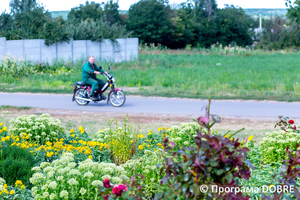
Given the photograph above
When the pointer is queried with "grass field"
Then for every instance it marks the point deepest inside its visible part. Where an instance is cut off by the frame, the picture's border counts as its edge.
(268, 76)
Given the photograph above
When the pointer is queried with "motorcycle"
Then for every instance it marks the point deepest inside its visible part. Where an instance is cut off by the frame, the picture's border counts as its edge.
(82, 92)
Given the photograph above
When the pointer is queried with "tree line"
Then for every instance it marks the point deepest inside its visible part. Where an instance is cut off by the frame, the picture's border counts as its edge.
(198, 23)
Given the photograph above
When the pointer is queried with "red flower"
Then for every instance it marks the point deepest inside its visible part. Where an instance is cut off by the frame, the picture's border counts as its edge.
(119, 189)
(106, 197)
(291, 121)
(294, 127)
(106, 183)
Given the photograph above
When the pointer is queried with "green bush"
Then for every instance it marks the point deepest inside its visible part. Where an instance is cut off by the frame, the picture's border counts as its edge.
(15, 68)
(39, 130)
(16, 164)
(273, 146)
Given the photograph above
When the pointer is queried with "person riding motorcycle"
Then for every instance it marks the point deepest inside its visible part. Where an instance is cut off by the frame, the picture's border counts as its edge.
(89, 71)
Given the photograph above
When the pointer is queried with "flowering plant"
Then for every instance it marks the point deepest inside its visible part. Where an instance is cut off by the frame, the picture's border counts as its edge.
(285, 123)
(64, 179)
(34, 129)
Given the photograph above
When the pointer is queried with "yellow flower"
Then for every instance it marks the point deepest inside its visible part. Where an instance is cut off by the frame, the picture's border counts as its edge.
(72, 131)
(149, 145)
(159, 129)
(22, 187)
(90, 157)
(250, 137)
(82, 131)
(2, 139)
(159, 144)
(144, 144)
(11, 192)
(49, 154)
(80, 128)
(149, 133)
(4, 129)
(226, 136)
(1, 124)
(131, 141)
(141, 136)
(140, 147)
(73, 135)
(231, 138)
(5, 186)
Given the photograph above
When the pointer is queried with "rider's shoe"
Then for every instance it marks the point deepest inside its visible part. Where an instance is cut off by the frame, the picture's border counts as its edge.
(103, 97)
(94, 98)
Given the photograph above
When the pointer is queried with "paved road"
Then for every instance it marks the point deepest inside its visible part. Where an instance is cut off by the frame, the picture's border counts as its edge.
(153, 105)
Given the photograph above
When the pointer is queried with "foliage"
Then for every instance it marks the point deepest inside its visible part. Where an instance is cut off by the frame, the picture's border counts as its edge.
(111, 12)
(146, 165)
(66, 179)
(97, 30)
(273, 146)
(91, 10)
(15, 68)
(55, 31)
(184, 134)
(149, 20)
(17, 191)
(28, 19)
(293, 10)
(34, 129)
(16, 164)
(214, 160)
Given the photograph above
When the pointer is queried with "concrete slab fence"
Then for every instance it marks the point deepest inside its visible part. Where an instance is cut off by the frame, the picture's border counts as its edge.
(35, 50)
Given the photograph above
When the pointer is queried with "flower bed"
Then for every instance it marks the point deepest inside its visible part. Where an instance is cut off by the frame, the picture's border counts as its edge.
(122, 162)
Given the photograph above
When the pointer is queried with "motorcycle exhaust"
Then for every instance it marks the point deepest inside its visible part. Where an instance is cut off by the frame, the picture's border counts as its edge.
(80, 98)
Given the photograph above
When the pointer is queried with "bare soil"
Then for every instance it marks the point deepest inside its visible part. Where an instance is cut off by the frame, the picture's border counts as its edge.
(93, 122)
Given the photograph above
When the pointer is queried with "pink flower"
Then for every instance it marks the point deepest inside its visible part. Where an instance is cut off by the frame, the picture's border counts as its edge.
(106, 183)
(291, 121)
(119, 189)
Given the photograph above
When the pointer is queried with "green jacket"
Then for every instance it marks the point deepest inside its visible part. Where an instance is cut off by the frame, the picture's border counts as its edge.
(88, 71)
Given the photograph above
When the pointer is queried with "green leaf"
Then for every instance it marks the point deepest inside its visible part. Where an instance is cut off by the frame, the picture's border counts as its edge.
(229, 177)
(220, 171)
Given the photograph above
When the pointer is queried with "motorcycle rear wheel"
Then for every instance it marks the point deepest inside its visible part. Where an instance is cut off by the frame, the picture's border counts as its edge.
(83, 93)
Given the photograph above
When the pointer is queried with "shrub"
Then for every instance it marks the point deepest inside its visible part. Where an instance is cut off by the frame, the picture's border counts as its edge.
(16, 164)
(214, 161)
(34, 129)
(15, 68)
(146, 165)
(122, 142)
(66, 179)
(273, 146)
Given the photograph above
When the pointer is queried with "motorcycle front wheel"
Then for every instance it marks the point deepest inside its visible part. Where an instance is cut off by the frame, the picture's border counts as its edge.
(83, 94)
(118, 99)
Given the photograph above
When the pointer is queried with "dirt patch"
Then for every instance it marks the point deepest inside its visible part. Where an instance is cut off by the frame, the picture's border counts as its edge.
(93, 122)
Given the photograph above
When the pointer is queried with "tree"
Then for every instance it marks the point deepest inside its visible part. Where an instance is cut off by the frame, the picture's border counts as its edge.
(111, 12)
(55, 30)
(293, 10)
(150, 21)
(6, 23)
(89, 10)
(232, 27)
(28, 19)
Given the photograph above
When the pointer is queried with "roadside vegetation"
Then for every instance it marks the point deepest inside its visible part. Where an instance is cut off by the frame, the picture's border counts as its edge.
(218, 73)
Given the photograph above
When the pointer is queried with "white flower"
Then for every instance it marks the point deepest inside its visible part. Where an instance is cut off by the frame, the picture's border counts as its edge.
(96, 183)
(82, 191)
(74, 172)
(50, 174)
(64, 194)
(88, 174)
(73, 181)
(37, 169)
(60, 178)
(116, 180)
(2, 181)
(108, 170)
(106, 176)
(48, 169)
(45, 195)
(44, 187)
(52, 185)
(53, 196)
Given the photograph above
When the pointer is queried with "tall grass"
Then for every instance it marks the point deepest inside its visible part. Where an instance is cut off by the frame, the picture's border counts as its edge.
(261, 76)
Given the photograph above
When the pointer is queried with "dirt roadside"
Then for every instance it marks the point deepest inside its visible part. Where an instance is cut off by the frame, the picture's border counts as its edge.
(94, 122)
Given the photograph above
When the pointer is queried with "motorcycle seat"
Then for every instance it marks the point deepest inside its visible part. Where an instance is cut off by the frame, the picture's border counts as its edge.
(81, 83)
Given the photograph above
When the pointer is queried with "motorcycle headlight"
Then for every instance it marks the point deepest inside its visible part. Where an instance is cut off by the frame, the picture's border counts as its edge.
(113, 79)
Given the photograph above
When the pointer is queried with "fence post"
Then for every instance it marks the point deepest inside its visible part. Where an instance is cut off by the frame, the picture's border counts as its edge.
(72, 50)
